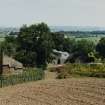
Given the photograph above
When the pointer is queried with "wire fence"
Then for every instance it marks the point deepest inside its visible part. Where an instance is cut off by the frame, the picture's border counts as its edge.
(30, 75)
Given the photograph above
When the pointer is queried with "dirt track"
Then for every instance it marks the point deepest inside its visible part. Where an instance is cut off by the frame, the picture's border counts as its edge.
(84, 91)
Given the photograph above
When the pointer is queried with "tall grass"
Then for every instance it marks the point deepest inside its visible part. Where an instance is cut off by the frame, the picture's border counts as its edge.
(27, 75)
(88, 70)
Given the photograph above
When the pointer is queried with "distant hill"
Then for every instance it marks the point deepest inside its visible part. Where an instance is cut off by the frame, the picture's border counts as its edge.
(58, 28)
(76, 28)
(6, 30)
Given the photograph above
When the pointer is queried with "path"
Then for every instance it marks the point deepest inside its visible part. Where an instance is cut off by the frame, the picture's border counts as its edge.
(50, 75)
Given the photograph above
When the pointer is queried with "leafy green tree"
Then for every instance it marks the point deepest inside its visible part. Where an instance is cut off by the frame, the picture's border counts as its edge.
(63, 44)
(69, 45)
(82, 50)
(58, 39)
(100, 48)
(35, 42)
(84, 46)
(29, 59)
(9, 45)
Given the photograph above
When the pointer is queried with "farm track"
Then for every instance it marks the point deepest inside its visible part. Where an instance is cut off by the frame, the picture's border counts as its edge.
(73, 91)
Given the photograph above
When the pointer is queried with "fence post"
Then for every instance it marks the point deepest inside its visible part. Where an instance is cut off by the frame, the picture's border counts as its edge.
(1, 81)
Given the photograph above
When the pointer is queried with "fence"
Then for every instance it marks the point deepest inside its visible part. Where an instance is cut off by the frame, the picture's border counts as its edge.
(30, 75)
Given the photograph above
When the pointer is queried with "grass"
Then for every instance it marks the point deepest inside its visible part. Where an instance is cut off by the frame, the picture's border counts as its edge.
(27, 75)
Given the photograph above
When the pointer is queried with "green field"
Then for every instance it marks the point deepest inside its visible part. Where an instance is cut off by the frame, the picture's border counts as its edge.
(2, 39)
(94, 38)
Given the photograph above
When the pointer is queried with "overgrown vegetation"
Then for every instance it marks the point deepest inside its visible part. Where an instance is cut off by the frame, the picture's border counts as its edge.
(27, 75)
(76, 70)
(33, 46)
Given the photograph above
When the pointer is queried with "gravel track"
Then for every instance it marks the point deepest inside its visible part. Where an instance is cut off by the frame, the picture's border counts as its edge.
(73, 91)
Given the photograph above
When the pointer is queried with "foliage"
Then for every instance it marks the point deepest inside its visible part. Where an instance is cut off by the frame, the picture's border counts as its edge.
(34, 45)
(84, 47)
(9, 45)
(100, 48)
(27, 75)
(83, 51)
(79, 49)
(58, 39)
(69, 45)
(85, 70)
(63, 44)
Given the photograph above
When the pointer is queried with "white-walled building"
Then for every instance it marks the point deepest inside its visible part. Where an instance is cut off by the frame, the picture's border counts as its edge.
(60, 57)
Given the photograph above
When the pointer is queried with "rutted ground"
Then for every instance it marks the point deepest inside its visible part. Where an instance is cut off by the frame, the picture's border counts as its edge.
(50, 75)
(73, 91)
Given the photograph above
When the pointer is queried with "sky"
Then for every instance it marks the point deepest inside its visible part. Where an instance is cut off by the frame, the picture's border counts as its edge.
(52, 12)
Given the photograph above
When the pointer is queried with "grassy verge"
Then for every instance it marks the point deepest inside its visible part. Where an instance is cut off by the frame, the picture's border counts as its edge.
(84, 70)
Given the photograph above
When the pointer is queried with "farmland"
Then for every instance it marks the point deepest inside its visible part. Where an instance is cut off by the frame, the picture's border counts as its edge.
(52, 52)
(2, 36)
(92, 36)
(73, 91)
(33, 47)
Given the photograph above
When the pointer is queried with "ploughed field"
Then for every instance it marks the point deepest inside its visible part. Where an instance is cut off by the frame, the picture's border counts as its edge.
(73, 91)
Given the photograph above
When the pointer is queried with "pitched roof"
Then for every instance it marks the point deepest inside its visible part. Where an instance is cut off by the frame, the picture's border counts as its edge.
(11, 62)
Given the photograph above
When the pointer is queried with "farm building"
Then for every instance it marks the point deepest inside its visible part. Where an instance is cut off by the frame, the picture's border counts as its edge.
(59, 57)
(10, 65)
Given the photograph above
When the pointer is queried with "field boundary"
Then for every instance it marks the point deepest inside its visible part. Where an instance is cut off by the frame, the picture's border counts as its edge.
(26, 76)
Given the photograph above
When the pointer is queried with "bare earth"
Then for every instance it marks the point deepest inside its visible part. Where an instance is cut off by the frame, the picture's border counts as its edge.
(74, 91)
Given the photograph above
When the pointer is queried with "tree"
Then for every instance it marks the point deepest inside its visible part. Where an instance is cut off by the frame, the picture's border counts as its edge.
(63, 44)
(9, 45)
(35, 44)
(100, 48)
(58, 39)
(82, 49)
(69, 45)
(84, 46)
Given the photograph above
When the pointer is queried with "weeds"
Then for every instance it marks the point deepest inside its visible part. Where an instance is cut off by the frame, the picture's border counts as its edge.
(27, 75)
(88, 70)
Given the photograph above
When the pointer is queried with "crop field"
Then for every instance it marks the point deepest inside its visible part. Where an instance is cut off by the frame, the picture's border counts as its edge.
(73, 91)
